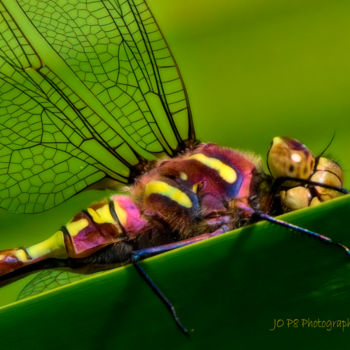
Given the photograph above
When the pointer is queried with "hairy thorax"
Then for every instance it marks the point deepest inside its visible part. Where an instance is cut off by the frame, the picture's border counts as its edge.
(199, 191)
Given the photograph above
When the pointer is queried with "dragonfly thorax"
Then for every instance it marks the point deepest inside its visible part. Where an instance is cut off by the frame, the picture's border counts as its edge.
(201, 184)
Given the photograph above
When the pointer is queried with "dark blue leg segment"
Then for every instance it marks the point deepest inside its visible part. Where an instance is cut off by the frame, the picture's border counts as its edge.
(302, 230)
(161, 296)
(267, 217)
(144, 253)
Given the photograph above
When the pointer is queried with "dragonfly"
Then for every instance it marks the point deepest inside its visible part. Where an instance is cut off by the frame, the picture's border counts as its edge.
(91, 97)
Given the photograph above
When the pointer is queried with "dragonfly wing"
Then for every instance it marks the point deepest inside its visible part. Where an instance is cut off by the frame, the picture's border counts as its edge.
(89, 90)
(47, 280)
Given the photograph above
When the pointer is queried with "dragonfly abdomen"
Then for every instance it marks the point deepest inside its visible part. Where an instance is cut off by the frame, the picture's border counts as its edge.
(106, 223)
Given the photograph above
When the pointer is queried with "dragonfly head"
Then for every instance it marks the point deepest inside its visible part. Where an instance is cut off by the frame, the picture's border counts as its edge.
(289, 158)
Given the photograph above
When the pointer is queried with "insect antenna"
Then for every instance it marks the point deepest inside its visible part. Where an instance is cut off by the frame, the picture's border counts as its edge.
(328, 145)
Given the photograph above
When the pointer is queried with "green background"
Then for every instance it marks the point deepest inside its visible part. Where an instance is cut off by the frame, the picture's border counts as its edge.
(253, 70)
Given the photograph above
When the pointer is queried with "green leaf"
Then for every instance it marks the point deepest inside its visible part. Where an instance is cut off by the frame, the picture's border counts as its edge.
(228, 289)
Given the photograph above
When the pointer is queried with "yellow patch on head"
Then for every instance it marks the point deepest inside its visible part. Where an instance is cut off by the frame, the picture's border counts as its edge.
(75, 227)
(225, 171)
(277, 139)
(121, 213)
(101, 215)
(166, 190)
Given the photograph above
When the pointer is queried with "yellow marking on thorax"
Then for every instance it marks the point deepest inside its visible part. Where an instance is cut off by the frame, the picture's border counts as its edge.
(75, 227)
(101, 215)
(54, 246)
(164, 189)
(183, 176)
(121, 213)
(224, 170)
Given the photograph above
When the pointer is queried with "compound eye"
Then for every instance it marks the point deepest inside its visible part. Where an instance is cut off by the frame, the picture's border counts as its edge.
(290, 158)
(330, 173)
(325, 164)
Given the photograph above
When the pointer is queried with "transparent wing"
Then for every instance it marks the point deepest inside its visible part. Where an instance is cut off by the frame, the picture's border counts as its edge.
(47, 280)
(89, 90)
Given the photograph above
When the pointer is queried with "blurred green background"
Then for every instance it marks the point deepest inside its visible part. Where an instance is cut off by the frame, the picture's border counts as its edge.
(253, 70)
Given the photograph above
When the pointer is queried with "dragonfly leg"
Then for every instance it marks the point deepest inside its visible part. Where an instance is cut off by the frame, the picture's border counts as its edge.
(161, 295)
(263, 216)
(310, 233)
(143, 253)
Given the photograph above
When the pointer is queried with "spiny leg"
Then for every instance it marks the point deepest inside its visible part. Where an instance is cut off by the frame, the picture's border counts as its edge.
(161, 295)
(310, 233)
(143, 253)
(267, 217)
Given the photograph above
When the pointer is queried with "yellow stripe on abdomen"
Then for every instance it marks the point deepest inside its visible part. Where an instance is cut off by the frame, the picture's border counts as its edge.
(164, 189)
(54, 246)
(21, 255)
(225, 171)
